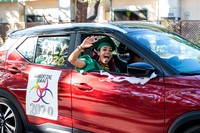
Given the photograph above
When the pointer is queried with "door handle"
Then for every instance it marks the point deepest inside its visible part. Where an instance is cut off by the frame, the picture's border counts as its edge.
(83, 86)
(14, 70)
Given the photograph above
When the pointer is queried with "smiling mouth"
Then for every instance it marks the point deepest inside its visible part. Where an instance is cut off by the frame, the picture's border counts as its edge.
(106, 58)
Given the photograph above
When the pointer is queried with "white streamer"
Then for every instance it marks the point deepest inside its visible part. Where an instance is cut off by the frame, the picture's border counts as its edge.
(132, 80)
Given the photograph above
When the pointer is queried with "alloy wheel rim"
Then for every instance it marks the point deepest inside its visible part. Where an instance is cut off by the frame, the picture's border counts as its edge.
(7, 119)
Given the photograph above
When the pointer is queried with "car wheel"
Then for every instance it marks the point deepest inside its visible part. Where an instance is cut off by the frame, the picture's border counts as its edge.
(10, 121)
(193, 129)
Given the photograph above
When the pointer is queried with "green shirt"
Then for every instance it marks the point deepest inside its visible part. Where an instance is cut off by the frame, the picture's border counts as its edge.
(91, 64)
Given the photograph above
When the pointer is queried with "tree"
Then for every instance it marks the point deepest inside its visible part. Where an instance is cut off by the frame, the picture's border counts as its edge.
(81, 13)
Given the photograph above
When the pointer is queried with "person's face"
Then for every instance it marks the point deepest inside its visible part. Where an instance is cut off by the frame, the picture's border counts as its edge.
(105, 54)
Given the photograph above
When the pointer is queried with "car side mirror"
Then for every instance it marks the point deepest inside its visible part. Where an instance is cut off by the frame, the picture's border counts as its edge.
(140, 69)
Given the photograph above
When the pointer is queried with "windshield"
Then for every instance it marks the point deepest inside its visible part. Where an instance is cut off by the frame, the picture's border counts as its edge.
(178, 52)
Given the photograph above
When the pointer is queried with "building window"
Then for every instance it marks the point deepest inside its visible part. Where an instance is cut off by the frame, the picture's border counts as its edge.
(130, 15)
(168, 18)
(35, 18)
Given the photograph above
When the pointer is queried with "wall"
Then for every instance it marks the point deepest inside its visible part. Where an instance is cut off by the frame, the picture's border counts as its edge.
(169, 8)
(9, 12)
(53, 10)
(49, 8)
(190, 9)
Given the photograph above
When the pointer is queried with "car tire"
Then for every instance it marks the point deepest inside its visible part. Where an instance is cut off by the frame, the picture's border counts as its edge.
(193, 129)
(10, 121)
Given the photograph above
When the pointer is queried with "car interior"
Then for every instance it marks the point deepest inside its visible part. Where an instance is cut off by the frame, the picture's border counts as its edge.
(122, 55)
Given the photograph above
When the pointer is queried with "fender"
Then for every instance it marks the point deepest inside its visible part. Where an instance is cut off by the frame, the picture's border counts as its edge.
(10, 97)
(185, 118)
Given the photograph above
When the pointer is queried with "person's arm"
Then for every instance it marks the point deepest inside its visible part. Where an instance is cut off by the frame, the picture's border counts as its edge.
(73, 58)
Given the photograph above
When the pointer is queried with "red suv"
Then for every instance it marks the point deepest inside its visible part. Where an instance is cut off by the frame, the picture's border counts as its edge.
(156, 91)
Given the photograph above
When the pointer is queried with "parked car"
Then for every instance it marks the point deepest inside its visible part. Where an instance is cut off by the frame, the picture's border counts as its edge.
(157, 89)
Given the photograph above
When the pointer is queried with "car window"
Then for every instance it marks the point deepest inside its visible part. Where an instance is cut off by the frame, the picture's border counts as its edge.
(27, 48)
(175, 50)
(52, 50)
(122, 55)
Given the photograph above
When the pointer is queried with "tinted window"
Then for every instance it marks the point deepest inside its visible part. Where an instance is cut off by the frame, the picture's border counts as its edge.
(35, 18)
(175, 50)
(130, 15)
(27, 48)
(52, 50)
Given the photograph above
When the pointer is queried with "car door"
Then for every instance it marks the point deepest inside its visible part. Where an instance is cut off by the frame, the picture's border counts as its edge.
(104, 101)
(39, 77)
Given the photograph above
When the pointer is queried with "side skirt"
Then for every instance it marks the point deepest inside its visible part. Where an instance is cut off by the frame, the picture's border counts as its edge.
(54, 128)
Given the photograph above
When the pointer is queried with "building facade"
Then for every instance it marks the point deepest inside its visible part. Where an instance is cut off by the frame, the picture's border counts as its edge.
(14, 11)
(190, 9)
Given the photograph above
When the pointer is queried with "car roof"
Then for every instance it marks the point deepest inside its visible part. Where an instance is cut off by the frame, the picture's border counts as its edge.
(98, 27)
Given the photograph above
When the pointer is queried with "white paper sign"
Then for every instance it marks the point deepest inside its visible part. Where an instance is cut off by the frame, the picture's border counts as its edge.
(42, 93)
